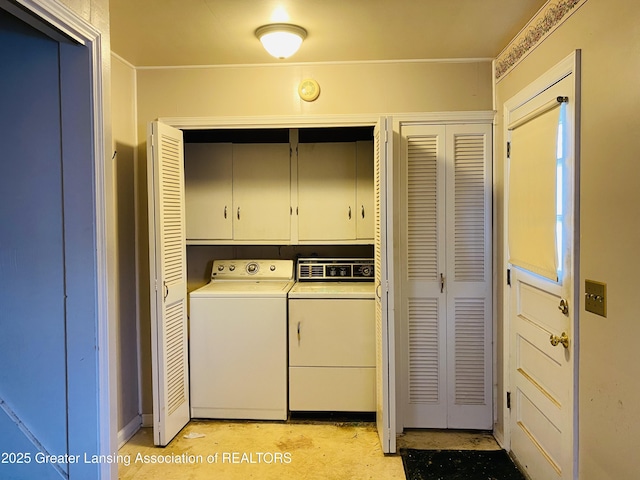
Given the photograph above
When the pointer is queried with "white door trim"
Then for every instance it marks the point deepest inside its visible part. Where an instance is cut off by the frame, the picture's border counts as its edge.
(568, 66)
(190, 123)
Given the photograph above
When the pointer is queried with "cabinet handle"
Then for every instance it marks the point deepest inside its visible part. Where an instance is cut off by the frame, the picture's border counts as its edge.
(362, 211)
(441, 283)
(238, 213)
(349, 212)
(225, 211)
(298, 332)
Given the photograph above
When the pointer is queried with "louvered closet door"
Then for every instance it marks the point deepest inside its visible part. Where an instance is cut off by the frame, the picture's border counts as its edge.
(468, 277)
(425, 307)
(383, 251)
(447, 331)
(169, 346)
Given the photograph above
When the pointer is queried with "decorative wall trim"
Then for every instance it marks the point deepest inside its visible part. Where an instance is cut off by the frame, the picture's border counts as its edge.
(548, 18)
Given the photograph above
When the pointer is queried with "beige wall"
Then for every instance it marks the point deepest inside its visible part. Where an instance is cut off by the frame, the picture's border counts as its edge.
(359, 88)
(123, 104)
(608, 33)
(96, 12)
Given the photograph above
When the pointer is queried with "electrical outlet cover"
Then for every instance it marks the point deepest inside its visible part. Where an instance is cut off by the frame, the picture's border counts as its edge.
(595, 297)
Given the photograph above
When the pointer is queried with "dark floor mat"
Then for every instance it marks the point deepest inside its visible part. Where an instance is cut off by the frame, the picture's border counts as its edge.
(459, 465)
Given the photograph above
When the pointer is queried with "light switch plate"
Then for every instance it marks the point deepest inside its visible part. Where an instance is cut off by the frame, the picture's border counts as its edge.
(595, 297)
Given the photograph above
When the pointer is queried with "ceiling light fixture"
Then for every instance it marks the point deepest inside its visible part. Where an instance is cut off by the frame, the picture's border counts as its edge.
(281, 39)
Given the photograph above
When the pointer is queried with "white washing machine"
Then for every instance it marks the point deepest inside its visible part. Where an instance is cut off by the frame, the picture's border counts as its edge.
(332, 350)
(238, 341)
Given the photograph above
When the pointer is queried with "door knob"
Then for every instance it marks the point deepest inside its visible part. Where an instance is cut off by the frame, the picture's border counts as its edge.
(564, 306)
(563, 339)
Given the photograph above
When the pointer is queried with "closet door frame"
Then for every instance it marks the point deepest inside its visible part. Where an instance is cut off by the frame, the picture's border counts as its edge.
(387, 387)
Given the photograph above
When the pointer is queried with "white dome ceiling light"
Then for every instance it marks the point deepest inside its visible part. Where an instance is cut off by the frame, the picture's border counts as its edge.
(281, 39)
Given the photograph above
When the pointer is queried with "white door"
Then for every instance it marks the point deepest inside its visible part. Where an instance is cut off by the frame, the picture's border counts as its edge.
(424, 335)
(167, 262)
(542, 311)
(383, 253)
(468, 281)
(446, 247)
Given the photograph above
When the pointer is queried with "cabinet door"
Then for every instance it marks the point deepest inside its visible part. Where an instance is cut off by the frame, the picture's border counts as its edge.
(326, 191)
(208, 193)
(261, 192)
(365, 215)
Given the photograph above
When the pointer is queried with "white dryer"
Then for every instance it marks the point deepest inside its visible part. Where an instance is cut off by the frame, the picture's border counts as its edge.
(238, 341)
(332, 349)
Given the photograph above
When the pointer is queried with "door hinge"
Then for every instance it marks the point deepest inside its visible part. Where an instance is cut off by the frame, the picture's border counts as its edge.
(509, 400)
(508, 149)
(509, 276)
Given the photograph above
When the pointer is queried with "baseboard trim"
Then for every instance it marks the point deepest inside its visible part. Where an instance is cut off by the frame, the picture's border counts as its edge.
(147, 419)
(129, 430)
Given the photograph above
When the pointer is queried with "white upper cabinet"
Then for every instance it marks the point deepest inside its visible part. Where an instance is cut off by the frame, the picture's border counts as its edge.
(335, 191)
(208, 191)
(246, 188)
(237, 192)
(326, 191)
(261, 192)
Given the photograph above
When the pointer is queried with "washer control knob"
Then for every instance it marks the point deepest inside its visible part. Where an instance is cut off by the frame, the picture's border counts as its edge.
(232, 268)
(220, 268)
(272, 268)
(252, 268)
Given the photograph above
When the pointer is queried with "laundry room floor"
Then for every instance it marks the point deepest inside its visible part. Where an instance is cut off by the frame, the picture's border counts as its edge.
(273, 450)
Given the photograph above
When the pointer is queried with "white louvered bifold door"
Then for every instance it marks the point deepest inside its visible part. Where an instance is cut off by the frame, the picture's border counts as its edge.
(447, 279)
(169, 341)
(423, 149)
(468, 278)
(383, 250)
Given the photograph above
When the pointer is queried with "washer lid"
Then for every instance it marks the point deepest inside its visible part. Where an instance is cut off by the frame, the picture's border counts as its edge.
(243, 289)
(336, 290)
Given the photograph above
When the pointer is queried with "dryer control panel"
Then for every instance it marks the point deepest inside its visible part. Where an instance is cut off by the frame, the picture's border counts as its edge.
(338, 269)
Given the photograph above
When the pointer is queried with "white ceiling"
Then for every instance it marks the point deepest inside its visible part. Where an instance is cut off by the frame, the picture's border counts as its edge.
(221, 32)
